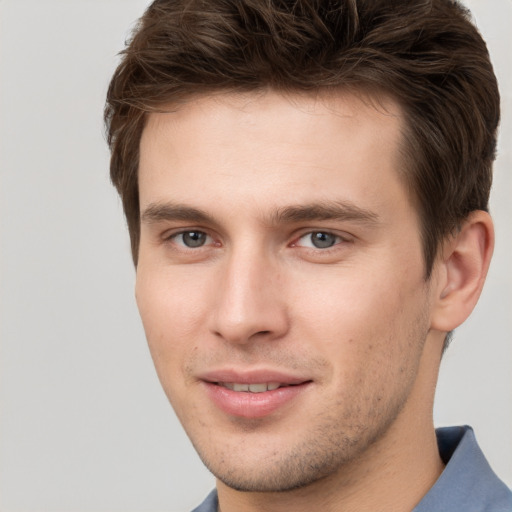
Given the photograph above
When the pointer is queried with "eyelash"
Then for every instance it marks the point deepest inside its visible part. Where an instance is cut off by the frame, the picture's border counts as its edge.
(336, 240)
(174, 236)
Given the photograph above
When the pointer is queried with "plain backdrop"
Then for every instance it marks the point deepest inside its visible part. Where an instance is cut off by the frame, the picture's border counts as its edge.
(84, 425)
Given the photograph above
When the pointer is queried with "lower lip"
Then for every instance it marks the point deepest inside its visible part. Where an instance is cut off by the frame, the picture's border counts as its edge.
(252, 405)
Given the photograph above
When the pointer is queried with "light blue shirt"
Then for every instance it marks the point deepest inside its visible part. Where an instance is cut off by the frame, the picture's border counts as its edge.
(467, 484)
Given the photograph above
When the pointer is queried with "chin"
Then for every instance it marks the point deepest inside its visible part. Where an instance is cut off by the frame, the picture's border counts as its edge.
(285, 468)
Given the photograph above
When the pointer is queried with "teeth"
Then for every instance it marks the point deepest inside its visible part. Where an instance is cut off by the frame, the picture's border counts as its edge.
(257, 388)
(251, 388)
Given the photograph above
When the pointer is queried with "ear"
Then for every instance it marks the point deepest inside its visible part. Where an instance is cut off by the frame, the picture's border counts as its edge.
(461, 271)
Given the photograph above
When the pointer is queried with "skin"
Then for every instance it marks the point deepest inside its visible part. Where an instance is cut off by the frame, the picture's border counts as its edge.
(252, 177)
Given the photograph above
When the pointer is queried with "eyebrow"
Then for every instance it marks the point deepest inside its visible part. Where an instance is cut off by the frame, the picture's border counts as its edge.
(344, 211)
(325, 210)
(157, 212)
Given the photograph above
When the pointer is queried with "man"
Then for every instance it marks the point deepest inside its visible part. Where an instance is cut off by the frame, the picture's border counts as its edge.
(306, 187)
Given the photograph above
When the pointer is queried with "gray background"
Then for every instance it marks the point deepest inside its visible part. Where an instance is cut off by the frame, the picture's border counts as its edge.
(84, 425)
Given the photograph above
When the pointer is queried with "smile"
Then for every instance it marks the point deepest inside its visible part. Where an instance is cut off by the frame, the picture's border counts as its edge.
(254, 399)
(251, 388)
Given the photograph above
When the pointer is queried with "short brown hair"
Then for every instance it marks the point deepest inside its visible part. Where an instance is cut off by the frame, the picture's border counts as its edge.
(424, 53)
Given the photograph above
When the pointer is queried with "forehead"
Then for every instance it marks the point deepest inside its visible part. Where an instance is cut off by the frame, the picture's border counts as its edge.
(298, 112)
(263, 144)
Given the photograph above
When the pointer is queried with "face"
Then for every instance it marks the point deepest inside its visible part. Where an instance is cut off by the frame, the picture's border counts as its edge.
(281, 281)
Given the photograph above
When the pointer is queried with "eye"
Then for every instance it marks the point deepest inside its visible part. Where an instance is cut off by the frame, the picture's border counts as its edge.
(319, 240)
(191, 239)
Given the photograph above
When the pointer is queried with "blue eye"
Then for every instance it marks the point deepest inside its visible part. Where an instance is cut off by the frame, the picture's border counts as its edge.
(319, 240)
(191, 239)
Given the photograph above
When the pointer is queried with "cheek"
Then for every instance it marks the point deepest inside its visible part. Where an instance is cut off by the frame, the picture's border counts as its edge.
(172, 312)
(349, 300)
(171, 317)
(361, 321)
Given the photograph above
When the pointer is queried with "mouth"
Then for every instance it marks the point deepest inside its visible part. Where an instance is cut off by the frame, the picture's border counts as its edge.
(250, 397)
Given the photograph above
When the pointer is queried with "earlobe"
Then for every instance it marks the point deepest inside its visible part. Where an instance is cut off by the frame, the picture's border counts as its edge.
(461, 272)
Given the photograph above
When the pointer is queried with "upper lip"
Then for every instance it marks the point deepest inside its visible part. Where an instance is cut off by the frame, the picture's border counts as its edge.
(252, 376)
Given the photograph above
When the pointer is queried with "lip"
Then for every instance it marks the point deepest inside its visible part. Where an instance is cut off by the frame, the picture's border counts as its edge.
(252, 405)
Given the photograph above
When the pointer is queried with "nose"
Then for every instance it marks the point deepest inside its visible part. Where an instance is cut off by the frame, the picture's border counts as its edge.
(248, 301)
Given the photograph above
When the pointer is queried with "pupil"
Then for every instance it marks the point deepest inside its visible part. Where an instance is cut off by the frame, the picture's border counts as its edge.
(194, 238)
(323, 240)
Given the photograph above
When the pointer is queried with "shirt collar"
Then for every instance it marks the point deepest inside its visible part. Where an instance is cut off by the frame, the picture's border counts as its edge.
(467, 482)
